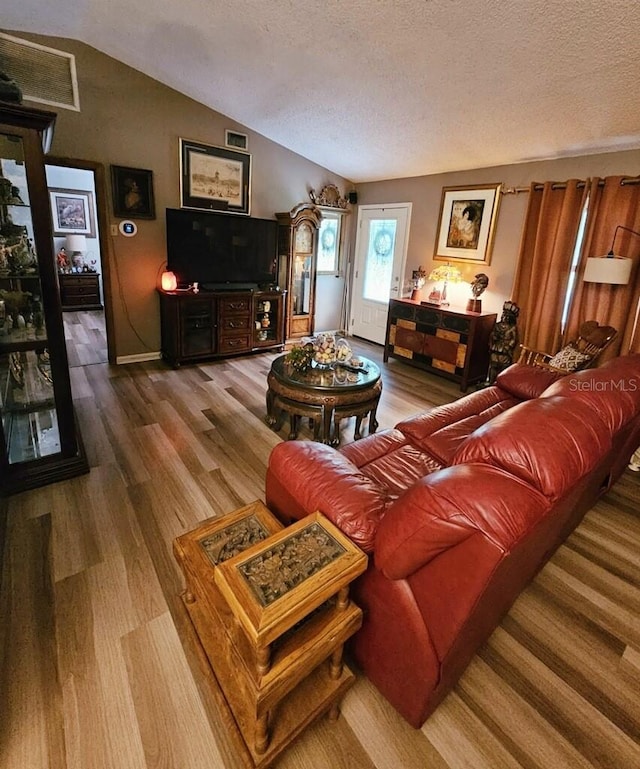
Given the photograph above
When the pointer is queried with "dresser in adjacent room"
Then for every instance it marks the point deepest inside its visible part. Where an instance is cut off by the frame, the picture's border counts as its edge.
(80, 291)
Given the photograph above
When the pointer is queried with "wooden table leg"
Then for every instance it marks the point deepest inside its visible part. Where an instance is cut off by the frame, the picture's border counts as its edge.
(271, 419)
(335, 437)
(327, 418)
(335, 668)
(263, 659)
(262, 733)
(373, 422)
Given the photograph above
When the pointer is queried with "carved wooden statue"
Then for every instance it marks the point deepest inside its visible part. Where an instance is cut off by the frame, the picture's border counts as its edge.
(503, 340)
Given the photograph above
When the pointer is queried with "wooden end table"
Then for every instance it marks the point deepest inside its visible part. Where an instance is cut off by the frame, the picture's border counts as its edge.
(324, 395)
(271, 608)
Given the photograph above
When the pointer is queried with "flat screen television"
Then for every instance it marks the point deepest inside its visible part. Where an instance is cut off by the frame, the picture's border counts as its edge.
(221, 251)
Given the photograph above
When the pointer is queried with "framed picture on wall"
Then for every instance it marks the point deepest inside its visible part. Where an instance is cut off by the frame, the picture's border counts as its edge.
(72, 212)
(467, 222)
(214, 178)
(132, 190)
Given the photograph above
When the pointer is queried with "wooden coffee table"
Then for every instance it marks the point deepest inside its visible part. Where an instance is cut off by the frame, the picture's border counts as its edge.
(325, 396)
(271, 608)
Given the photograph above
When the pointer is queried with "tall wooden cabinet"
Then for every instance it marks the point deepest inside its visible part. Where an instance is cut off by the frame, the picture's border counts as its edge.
(297, 252)
(39, 441)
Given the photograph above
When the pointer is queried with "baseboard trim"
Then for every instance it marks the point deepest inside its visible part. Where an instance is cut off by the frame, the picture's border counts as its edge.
(140, 358)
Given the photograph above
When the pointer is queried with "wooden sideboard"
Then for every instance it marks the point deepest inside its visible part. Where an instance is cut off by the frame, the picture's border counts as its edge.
(452, 343)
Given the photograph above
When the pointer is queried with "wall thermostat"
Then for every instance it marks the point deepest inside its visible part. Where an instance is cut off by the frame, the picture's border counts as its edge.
(128, 228)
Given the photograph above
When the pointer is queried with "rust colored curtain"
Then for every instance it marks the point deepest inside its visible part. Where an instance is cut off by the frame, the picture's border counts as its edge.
(614, 201)
(546, 251)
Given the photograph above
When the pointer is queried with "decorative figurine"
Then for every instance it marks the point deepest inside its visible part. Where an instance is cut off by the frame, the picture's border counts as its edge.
(478, 285)
(61, 259)
(503, 340)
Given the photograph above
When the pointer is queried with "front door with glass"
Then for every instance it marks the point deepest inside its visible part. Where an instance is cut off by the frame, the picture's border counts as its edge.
(381, 250)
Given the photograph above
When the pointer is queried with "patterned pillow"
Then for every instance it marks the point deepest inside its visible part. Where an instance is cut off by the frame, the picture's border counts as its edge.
(569, 358)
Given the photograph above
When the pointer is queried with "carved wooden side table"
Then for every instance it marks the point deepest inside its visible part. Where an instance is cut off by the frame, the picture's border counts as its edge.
(272, 611)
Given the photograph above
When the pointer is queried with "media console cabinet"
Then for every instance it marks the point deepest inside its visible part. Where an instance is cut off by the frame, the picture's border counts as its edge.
(217, 324)
(452, 343)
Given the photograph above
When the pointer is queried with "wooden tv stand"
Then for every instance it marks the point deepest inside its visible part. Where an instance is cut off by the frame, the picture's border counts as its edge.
(218, 324)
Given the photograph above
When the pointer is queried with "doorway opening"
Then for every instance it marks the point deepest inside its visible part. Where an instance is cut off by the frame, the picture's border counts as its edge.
(82, 256)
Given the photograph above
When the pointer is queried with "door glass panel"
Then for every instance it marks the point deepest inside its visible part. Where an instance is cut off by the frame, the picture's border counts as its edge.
(27, 403)
(379, 260)
(302, 260)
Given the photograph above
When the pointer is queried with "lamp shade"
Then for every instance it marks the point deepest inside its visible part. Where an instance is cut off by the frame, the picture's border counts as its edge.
(168, 281)
(608, 269)
(76, 244)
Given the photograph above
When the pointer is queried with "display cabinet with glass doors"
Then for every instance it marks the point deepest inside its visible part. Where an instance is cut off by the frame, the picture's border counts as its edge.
(39, 440)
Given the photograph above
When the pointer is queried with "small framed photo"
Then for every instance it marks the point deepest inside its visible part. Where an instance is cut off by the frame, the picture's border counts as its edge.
(467, 223)
(132, 190)
(214, 178)
(235, 139)
(72, 212)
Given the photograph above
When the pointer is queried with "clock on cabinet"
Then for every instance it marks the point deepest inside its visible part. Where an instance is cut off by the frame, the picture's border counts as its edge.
(39, 441)
(297, 250)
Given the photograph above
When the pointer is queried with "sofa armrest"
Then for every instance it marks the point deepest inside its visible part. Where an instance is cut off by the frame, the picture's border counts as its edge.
(449, 506)
(305, 476)
(526, 382)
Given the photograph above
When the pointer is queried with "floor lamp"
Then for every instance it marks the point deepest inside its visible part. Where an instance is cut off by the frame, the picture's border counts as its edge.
(614, 270)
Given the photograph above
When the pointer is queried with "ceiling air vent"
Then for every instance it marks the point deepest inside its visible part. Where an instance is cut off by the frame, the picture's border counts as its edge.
(45, 75)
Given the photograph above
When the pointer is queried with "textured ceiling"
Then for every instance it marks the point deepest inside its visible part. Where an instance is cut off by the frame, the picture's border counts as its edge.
(381, 89)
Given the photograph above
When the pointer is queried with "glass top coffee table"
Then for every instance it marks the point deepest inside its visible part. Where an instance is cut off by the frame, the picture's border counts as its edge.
(323, 395)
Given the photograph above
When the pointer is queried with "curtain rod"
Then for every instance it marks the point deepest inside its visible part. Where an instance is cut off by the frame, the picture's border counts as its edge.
(563, 185)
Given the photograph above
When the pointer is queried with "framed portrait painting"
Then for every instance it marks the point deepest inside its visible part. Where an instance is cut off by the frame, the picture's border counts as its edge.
(467, 223)
(214, 178)
(72, 212)
(132, 190)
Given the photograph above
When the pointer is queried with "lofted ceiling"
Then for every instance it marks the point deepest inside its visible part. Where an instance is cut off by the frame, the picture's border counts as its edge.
(382, 89)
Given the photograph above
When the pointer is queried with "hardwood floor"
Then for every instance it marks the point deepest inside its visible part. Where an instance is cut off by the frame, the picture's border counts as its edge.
(99, 665)
(86, 337)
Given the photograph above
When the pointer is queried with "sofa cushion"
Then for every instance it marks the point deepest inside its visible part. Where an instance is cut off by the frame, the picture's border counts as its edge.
(421, 426)
(548, 442)
(391, 461)
(449, 506)
(526, 382)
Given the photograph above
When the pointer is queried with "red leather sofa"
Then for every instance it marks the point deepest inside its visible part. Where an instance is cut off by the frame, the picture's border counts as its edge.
(459, 508)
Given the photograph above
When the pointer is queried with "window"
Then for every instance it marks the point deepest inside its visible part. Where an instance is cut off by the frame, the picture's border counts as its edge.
(574, 267)
(329, 243)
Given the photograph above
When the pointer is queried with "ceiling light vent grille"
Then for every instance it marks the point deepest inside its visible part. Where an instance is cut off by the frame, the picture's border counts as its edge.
(45, 75)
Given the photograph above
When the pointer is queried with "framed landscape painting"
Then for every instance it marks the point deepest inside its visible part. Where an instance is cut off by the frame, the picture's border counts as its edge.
(467, 222)
(214, 178)
(72, 212)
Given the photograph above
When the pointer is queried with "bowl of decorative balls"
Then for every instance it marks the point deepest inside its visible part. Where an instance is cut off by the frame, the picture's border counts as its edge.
(324, 350)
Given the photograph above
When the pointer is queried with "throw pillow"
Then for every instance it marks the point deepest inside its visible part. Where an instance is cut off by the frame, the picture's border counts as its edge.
(569, 358)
